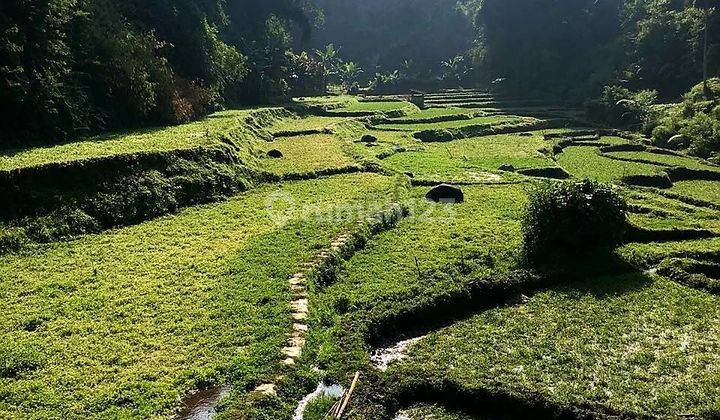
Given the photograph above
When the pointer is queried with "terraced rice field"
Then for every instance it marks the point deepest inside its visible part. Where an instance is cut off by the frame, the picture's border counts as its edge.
(446, 124)
(259, 295)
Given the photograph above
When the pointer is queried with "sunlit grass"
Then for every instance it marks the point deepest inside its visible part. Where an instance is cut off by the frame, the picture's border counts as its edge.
(684, 161)
(585, 162)
(201, 133)
(306, 154)
(124, 323)
(631, 344)
(448, 124)
(462, 160)
(304, 124)
(703, 190)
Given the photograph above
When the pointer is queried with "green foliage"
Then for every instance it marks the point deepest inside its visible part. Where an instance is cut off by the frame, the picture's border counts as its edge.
(525, 42)
(318, 408)
(349, 74)
(697, 120)
(383, 36)
(71, 67)
(620, 107)
(665, 50)
(124, 323)
(17, 359)
(569, 219)
(455, 70)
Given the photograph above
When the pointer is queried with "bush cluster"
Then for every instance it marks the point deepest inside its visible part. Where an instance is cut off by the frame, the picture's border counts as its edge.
(697, 120)
(570, 219)
(620, 107)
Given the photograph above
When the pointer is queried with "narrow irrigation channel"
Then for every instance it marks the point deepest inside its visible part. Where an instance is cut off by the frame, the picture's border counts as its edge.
(333, 391)
(202, 405)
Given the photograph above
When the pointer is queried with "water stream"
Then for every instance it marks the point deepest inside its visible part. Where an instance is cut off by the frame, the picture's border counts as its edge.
(201, 405)
(383, 357)
(335, 391)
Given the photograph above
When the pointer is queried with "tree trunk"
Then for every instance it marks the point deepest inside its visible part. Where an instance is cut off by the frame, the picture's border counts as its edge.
(706, 88)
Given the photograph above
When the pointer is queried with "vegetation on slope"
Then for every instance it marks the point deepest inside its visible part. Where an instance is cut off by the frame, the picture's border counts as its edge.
(630, 345)
(126, 322)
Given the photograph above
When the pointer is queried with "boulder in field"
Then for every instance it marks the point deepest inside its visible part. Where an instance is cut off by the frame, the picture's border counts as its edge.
(368, 138)
(275, 154)
(507, 167)
(445, 193)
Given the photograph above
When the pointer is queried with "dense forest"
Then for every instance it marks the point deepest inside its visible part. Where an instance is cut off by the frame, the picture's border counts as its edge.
(71, 67)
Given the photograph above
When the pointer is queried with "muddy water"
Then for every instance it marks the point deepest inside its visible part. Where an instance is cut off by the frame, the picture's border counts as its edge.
(201, 406)
(383, 357)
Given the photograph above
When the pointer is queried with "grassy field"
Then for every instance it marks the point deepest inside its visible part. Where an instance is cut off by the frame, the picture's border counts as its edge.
(585, 162)
(124, 323)
(467, 159)
(683, 161)
(447, 124)
(306, 123)
(201, 133)
(386, 270)
(703, 190)
(628, 344)
(306, 154)
(360, 107)
(430, 113)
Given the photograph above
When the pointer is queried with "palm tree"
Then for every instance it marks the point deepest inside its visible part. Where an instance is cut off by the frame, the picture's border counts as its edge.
(349, 73)
(455, 68)
(329, 58)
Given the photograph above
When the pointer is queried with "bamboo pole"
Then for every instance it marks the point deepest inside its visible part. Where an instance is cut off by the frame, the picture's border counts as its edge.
(349, 394)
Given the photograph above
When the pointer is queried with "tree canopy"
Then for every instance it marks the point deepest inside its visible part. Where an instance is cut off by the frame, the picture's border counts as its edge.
(69, 67)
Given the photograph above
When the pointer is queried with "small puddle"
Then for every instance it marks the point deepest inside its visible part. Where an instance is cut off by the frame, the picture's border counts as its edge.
(335, 391)
(383, 357)
(201, 405)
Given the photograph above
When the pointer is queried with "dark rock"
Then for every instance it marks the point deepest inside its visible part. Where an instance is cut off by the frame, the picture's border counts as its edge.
(445, 193)
(275, 154)
(409, 174)
(368, 138)
(507, 168)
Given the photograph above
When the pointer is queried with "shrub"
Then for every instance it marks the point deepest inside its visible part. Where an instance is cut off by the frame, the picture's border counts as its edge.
(703, 132)
(621, 107)
(697, 118)
(572, 219)
(662, 134)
